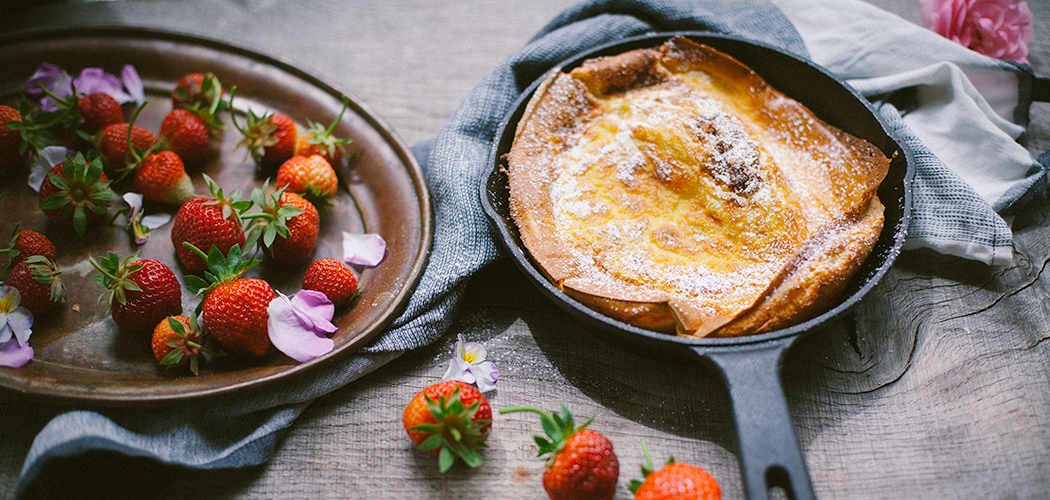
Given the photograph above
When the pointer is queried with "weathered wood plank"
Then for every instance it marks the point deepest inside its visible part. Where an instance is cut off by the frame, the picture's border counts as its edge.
(934, 386)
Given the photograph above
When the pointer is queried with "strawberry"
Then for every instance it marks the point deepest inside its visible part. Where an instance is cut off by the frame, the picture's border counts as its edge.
(97, 111)
(235, 314)
(179, 343)
(675, 481)
(87, 113)
(11, 152)
(141, 292)
(311, 176)
(208, 221)
(187, 134)
(332, 278)
(33, 132)
(196, 91)
(287, 226)
(582, 464)
(27, 243)
(75, 193)
(450, 419)
(234, 309)
(193, 123)
(40, 283)
(116, 143)
(318, 140)
(162, 177)
(269, 139)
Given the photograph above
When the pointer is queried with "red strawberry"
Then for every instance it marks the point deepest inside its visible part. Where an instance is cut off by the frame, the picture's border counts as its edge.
(675, 481)
(187, 134)
(332, 278)
(235, 314)
(311, 176)
(582, 464)
(318, 140)
(141, 291)
(11, 152)
(179, 343)
(234, 309)
(27, 243)
(196, 90)
(450, 419)
(75, 193)
(287, 226)
(39, 282)
(114, 149)
(208, 221)
(270, 139)
(162, 178)
(97, 111)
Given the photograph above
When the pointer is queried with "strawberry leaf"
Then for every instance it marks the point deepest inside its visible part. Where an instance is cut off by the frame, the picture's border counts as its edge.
(446, 459)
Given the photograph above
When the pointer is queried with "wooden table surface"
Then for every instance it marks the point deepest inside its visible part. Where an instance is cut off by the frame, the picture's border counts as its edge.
(936, 386)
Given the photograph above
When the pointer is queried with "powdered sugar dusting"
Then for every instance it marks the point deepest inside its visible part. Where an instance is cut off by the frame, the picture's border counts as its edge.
(628, 210)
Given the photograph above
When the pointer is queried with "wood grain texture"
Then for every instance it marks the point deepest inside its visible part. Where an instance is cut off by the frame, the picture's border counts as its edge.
(935, 386)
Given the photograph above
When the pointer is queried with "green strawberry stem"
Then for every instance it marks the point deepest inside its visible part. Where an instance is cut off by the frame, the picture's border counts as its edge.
(272, 220)
(68, 105)
(35, 137)
(135, 155)
(322, 136)
(222, 269)
(456, 433)
(80, 188)
(558, 427)
(115, 276)
(256, 131)
(183, 346)
(646, 469)
(46, 272)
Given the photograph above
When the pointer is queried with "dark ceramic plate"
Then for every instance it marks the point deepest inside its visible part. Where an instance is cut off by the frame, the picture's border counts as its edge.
(81, 355)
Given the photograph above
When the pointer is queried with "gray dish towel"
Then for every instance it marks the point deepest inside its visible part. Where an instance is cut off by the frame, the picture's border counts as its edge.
(209, 437)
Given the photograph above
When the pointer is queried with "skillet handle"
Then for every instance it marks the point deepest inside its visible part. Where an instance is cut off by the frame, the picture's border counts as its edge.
(770, 456)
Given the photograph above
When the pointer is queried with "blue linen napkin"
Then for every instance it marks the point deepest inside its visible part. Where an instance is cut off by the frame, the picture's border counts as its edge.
(454, 164)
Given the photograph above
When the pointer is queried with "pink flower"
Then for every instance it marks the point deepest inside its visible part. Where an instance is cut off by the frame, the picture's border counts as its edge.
(997, 28)
(299, 326)
(363, 249)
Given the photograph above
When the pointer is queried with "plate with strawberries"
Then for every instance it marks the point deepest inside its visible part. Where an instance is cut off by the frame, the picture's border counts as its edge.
(186, 219)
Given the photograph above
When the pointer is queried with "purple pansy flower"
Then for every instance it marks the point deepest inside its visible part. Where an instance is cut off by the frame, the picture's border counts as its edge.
(468, 365)
(16, 324)
(126, 88)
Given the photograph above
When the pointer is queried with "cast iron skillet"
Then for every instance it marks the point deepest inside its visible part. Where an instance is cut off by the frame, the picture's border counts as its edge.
(769, 451)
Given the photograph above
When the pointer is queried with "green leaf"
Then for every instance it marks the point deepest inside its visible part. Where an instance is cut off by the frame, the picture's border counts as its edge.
(446, 459)
(79, 220)
(431, 443)
(93, 172)
(53, 202)
(177, 326)
(470, 456)
(195, 283)
(172, 358)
